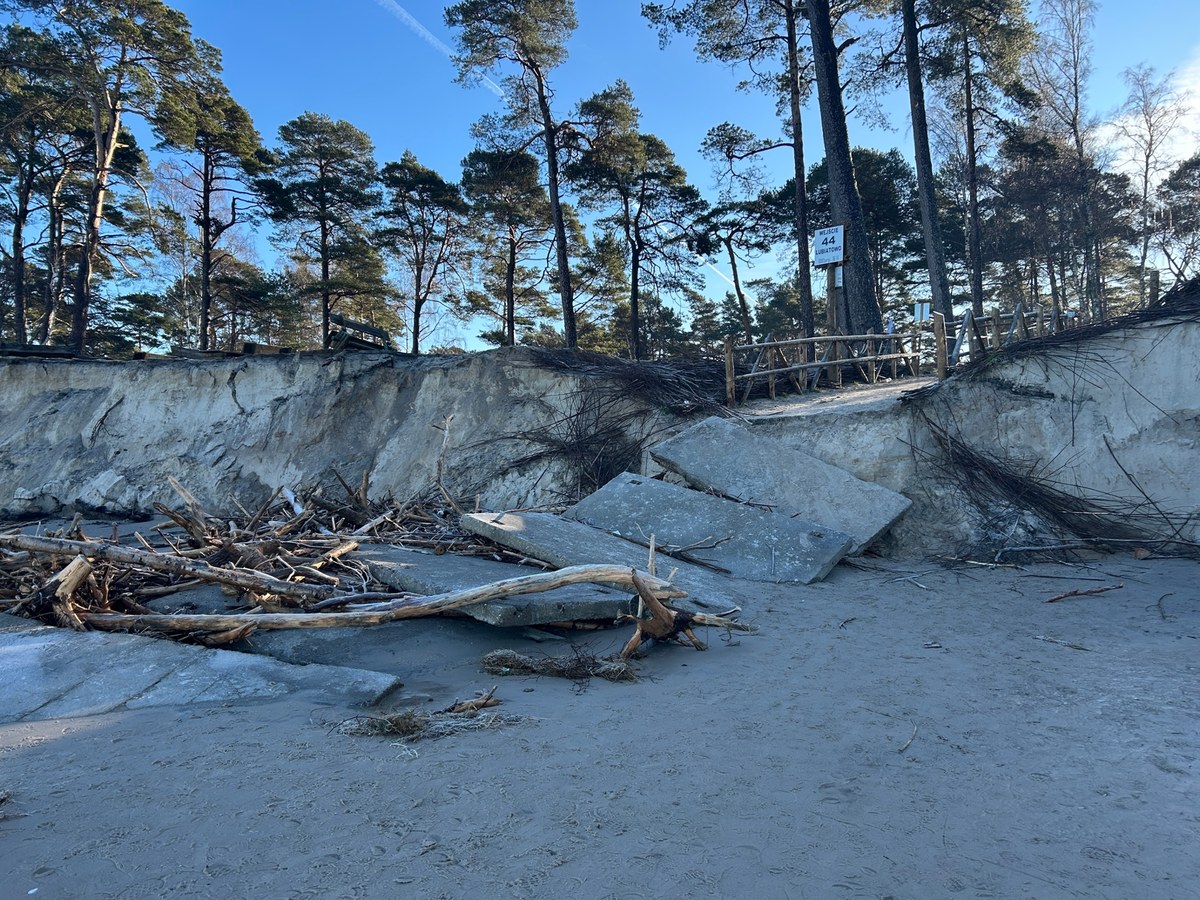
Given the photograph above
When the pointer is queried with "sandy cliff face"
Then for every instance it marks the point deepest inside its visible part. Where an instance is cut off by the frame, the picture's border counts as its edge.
(1113, 418)
(106, 436)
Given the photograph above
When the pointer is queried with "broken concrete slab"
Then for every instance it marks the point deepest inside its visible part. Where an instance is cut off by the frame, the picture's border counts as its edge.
(745, 541)
(563, 542)
(424, 573)
(756, 468)
(53, 672)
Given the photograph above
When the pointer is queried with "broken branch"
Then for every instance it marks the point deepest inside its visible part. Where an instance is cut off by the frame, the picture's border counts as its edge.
(172, 565)
(1082, 593)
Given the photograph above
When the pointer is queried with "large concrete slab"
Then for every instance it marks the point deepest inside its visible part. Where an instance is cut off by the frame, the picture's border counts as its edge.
(760, 469)
(53, 672)
(748, 542)
(563, 542)
(425, 573)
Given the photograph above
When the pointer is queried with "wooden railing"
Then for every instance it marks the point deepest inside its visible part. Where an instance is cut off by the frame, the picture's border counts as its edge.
(974, 336)
(817, 357)
(805, 361)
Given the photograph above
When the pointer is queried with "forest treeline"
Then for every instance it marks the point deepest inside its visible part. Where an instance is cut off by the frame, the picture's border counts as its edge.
(574, 224)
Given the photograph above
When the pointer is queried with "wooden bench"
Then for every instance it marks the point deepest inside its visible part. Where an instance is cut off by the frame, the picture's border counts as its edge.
(353, 335)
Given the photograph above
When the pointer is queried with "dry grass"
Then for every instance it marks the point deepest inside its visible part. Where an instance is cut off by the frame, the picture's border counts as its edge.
(412, 726)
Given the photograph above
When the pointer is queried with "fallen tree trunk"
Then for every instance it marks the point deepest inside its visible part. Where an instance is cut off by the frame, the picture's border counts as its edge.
(381, 613)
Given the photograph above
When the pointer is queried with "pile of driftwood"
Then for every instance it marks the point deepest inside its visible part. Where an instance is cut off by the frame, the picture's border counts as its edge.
(290, 564)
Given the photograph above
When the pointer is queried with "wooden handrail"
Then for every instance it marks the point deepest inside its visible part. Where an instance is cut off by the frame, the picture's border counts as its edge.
(797, 342)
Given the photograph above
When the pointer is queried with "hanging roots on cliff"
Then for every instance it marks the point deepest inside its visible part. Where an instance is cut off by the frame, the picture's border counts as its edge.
(597, 437)
(1082, 519)
(679, 386)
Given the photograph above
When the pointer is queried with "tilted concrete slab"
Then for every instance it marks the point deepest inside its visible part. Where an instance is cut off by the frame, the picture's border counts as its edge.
(757, 468)
(563, 542)
(54, 672)
(424, 573)
(748, 542)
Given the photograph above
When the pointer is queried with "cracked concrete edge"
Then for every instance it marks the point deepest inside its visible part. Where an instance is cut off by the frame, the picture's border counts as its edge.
(53, 673)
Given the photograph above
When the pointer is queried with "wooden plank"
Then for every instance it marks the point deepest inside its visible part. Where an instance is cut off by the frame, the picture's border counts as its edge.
(963, 328)
(362, 327)
(753, 370)
(250, 348)
(1017, 316)
(825, 364)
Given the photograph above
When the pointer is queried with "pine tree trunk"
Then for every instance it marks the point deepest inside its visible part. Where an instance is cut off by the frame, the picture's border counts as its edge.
(325, 273)
(55, 264)
(935, 252)
(82, 293)
(799, 195)
(974, 231)
(859, 283)
(743, 306)
(510, 291)
(565, 290)
(635, 324)
(206, 245)
(418, 306)
(18, 266)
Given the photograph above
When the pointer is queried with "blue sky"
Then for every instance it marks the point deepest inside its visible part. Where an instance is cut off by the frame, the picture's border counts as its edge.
(358, 60)
(361, 61)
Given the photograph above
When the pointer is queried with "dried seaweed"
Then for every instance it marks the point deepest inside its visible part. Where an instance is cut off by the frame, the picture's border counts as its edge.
(412, 726)
(578, 667)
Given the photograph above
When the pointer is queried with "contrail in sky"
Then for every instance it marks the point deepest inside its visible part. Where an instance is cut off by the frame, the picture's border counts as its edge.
(430, 38)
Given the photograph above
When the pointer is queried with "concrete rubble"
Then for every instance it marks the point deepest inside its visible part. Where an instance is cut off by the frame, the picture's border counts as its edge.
(55, 672)
(563, 542)
(763, 470)
(740, 539)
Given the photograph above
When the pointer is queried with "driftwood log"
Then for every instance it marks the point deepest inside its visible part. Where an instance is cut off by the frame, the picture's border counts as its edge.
(378, 613)
(666, 624)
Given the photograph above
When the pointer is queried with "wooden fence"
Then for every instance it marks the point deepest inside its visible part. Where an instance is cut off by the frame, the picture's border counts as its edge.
(803, 362)
(817, 357)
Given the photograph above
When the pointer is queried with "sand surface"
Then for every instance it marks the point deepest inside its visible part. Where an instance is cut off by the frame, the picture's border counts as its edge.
(905, 731)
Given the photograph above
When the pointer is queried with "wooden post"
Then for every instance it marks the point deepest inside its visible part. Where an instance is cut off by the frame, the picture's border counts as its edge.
(978, 346)
(997, 331)
(834, 373)
(940, 352)
(772, 365)
(872, 365)
(914, 361)
(730, 385)
(1152, 294)
(1041, 321)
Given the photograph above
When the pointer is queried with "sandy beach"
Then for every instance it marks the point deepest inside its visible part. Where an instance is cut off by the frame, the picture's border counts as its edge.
(905, 730)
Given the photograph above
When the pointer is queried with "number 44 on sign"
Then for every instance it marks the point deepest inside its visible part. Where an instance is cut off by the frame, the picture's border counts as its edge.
(827, 245)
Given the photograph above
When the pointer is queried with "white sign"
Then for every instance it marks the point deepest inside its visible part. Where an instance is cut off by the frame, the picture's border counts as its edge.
(920, 312)
(827, 245)
(837, 277)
